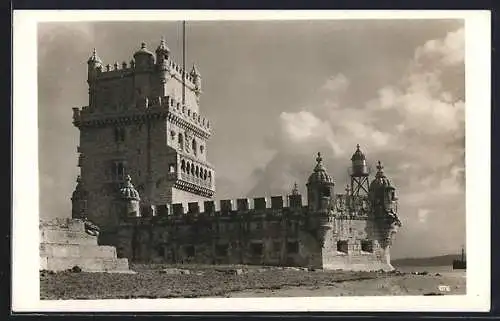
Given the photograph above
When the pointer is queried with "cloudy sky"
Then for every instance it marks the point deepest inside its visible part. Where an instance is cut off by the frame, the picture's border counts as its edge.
(279, 92)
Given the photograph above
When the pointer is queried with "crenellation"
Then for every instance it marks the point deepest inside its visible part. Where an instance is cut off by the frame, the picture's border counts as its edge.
(209, 207)
(226, 206)
(277, 202)
(163, 210)
(178, 209)
(242, 204)
(260, 203)
(193, 208)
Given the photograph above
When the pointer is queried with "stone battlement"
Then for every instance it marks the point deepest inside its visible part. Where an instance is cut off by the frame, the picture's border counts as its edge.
(117, 70)
(154, 105)
(275, 206)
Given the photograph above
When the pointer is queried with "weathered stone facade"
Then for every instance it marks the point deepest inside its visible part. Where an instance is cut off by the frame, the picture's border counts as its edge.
(142, 123)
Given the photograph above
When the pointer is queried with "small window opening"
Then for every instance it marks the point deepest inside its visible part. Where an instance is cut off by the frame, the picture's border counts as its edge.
(342, 246)
(257, 248)
(189, 250)
(367, 246)
(292, 247)
(181, 141)
(221, 249)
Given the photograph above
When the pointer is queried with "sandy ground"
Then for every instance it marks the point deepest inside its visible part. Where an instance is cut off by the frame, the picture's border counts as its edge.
(395, 285)
(154, 282)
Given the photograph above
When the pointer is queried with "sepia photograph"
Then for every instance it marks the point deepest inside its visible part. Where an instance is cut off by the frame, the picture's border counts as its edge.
(234, 158)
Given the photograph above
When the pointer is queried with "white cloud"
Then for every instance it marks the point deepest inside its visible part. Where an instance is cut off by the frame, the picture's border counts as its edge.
(415, 126)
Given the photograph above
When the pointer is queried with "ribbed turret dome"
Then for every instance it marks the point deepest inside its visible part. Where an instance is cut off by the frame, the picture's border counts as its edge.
(94, 58)
(358, 155)
(320, 175)
(162, 47)
(380, 180)
(128, 191)
(143, 51)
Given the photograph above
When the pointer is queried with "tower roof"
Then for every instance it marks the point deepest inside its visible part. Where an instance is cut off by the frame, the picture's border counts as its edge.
(358, 154)
(143, 51)
(380, 179)
(320, 174)
(128, 191)
(162, 47)
(94, 58)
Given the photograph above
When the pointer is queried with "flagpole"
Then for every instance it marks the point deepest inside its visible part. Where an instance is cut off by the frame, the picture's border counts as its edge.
(184, 62)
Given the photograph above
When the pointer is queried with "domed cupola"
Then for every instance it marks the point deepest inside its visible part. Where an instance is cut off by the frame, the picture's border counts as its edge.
(380, 180)
(320, 187)
(128, 191)
(358, 155)
(162, 52)
(319, 175)
(94, 59)
(143, 57)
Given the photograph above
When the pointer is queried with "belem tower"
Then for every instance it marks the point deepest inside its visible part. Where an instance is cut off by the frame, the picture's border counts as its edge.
(146, 181)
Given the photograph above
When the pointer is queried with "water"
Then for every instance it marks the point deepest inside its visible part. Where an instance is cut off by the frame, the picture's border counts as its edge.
(443, 270)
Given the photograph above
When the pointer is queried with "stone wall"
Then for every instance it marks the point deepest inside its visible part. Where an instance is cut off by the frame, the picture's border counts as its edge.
(237, 233)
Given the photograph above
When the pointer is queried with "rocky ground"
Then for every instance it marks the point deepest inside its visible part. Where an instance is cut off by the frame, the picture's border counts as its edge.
(239, 281)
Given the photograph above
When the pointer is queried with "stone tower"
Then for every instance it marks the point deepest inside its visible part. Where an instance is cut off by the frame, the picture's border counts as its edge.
(320, 187)
(383, 204)
(143, 119)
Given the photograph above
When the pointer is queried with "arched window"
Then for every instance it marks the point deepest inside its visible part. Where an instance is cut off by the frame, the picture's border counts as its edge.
(201, 149)
(188, 167)
(197, 172)
(210, 176)
(194, 147)
(183, 166)
(181, 141)
(192, 169)
(205, 175)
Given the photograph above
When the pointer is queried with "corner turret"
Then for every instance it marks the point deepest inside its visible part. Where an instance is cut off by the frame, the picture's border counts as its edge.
(162, 52)
(320, 187)
(94, 66)
(143, 57)
(384, 210)
(130, 198)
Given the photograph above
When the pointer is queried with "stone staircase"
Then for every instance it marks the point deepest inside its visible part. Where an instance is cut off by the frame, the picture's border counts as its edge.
(65, 244)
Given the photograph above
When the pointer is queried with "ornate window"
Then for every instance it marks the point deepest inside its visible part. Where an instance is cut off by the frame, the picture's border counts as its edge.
(119, 134)
(183, 166)
(181, 141)
(118, 171)
(201, 149)
(194, 147)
